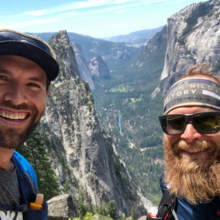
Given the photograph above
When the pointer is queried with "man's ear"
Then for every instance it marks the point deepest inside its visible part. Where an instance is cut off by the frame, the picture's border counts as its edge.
(47, 92)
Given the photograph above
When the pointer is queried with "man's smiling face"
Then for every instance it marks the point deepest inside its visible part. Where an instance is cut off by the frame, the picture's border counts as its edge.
(192, 161)
(22, 99)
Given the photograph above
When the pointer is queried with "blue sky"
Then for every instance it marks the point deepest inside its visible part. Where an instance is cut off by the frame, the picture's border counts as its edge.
(96, 18)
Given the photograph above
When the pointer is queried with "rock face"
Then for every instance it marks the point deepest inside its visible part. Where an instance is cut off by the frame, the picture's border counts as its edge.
(193, 38)
(155, 44)
(82, 155)
(83, 66)
(98, 67)
(61, 208)
(65, 56)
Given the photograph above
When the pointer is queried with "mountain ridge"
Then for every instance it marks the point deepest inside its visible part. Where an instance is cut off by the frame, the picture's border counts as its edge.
(135, 36)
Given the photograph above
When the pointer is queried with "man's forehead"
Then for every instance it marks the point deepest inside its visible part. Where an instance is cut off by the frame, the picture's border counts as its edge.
(9, 62)
(190, 110)
(202, 77)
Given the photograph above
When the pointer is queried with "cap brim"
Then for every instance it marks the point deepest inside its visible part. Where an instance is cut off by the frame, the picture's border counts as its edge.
(34, 53)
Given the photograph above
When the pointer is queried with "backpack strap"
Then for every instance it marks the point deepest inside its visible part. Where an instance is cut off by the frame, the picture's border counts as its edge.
(216, 215)
(26, 167)
(27, 193)
(167, 207)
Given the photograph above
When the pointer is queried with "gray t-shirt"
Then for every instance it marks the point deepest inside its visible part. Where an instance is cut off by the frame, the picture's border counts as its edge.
(9, 188)
(10, 193)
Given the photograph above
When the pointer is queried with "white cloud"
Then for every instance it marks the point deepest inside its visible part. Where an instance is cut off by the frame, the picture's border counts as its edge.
(72, 6)
(66, 12)
(37, 13)
(17, 25)
(92, 4)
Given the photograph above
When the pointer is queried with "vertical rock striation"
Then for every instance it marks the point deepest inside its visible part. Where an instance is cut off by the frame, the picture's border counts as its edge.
(82, 65)
(193, 37)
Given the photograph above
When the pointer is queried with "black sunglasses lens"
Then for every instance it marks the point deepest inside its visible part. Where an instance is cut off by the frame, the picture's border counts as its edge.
(207, 122)
(173, 124)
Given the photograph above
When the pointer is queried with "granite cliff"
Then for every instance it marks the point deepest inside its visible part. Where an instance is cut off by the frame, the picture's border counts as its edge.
(84, 70)
(98, 67)
(83, 156)
(193, 37)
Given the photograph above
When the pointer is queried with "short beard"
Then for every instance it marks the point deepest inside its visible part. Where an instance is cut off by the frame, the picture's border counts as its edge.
(189, 177)
(11, 138)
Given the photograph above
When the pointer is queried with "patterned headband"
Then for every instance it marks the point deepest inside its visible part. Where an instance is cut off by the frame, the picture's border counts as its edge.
(193, 92)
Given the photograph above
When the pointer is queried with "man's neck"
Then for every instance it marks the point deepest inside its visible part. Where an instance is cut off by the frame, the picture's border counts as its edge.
(5, 159)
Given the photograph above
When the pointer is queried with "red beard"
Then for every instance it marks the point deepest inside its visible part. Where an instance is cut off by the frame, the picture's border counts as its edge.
(190, 176)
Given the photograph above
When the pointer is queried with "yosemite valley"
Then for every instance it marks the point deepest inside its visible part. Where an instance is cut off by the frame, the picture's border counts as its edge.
(101, 129)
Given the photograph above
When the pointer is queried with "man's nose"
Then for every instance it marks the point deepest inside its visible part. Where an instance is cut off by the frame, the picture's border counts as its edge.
(16, 95)
(190, 134)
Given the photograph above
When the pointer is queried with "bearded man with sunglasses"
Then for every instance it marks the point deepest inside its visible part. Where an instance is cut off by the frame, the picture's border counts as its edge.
(191, 125)
(27, 65)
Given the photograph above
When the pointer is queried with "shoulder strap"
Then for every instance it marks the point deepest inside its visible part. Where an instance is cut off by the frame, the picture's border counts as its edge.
(168, 206)
(26, 167)
(27, 193)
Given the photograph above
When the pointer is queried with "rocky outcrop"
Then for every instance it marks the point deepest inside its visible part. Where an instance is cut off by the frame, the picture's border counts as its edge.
(193, 38)
(61, 208)
(82, 155)
(98, 67)
(65, 56)
(83, 66)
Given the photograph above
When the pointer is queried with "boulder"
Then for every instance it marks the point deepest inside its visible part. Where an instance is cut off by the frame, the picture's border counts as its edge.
(61, 208)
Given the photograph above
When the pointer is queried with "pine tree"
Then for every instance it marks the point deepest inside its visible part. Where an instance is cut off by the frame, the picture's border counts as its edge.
(34, 150)
(112, 209)
(134, 215)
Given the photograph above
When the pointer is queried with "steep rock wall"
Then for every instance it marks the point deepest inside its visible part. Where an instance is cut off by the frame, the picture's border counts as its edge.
(83, 66)
(193, 38)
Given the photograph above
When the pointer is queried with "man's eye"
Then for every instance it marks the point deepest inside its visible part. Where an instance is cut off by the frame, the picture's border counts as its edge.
(33, 85)
(2, 77)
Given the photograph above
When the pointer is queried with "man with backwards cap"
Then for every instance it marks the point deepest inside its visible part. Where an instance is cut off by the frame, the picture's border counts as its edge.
(27, 65)
(191, 125)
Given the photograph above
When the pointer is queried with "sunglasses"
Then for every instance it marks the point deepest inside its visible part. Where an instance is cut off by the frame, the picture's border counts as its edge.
(203, 122)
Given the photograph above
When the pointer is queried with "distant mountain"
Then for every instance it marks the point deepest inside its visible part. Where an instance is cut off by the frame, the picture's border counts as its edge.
(98, 67)
(114, 54)
(134, 36)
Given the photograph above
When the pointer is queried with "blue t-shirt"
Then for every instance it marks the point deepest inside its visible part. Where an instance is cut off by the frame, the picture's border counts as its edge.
(187, 211)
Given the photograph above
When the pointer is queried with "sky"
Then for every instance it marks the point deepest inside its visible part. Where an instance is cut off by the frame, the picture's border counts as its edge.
(96, 18)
